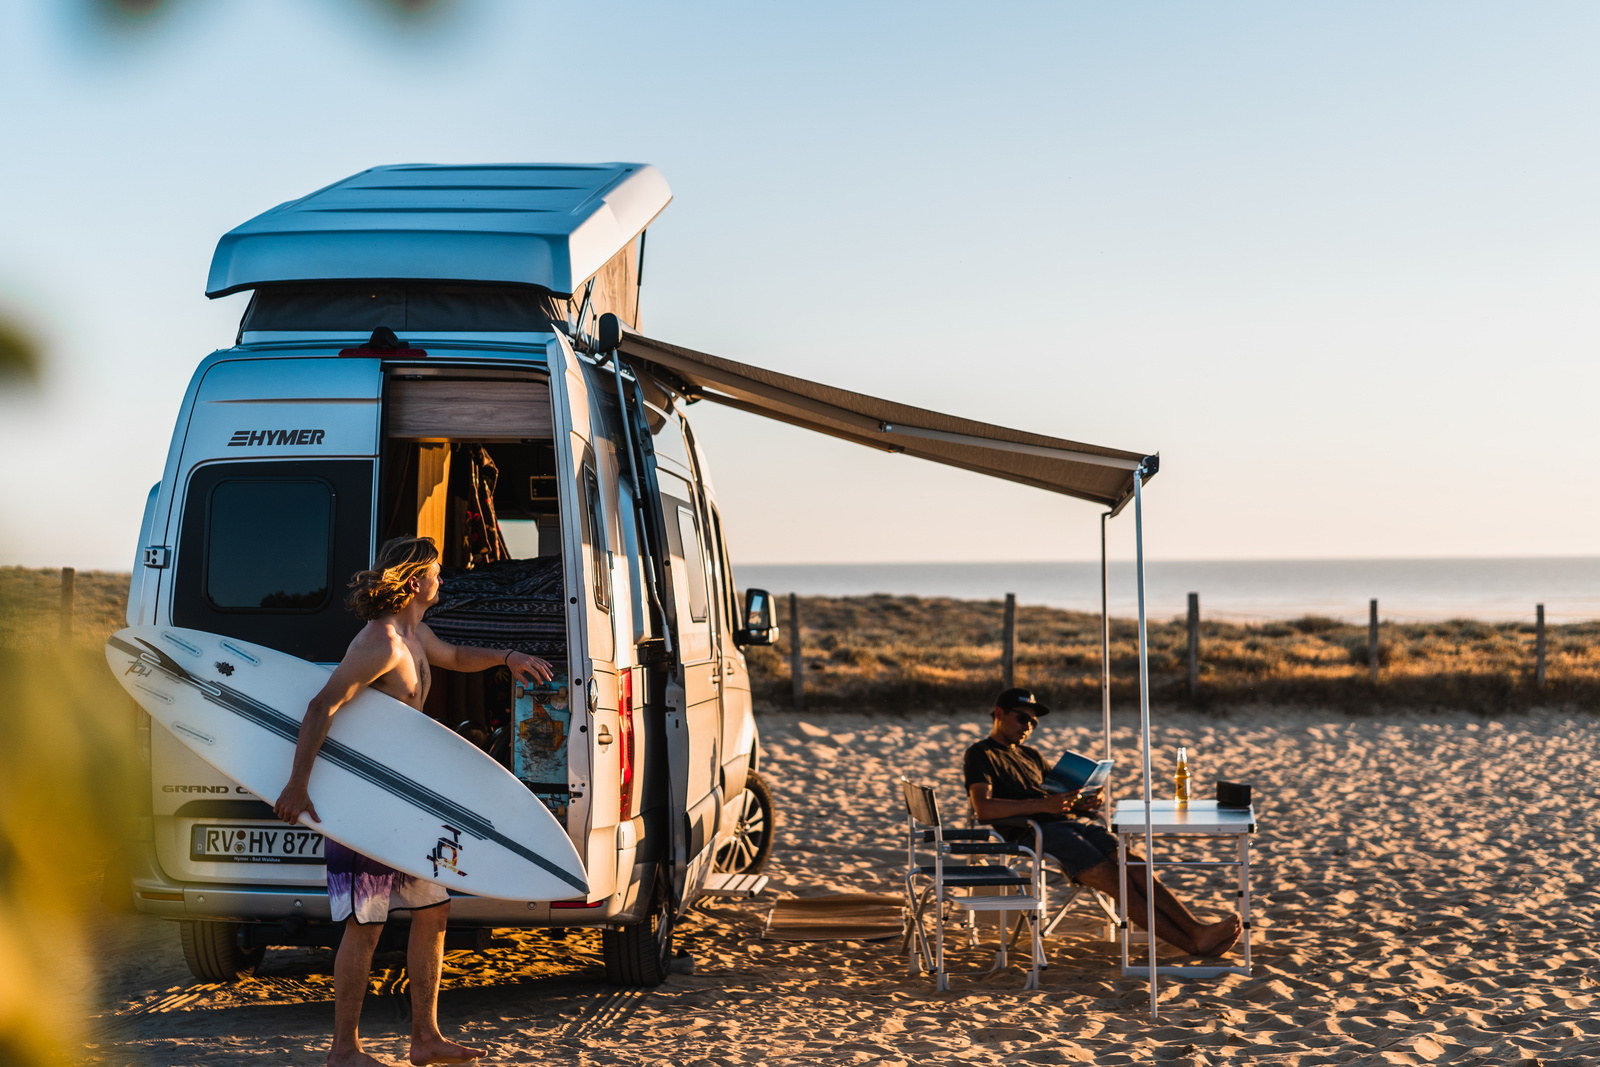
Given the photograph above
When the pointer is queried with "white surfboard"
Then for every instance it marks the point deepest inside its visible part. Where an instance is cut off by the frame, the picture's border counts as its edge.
(389, 782)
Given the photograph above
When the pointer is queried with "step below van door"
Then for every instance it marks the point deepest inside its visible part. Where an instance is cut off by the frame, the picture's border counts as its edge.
(586, 540)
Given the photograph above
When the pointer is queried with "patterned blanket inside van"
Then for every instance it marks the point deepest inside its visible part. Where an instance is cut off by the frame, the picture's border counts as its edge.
(517, 604)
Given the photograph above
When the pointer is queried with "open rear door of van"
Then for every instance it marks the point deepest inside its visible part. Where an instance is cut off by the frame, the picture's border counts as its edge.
(587, 544)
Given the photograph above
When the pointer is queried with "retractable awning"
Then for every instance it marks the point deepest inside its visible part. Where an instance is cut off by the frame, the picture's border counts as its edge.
(1089, 472)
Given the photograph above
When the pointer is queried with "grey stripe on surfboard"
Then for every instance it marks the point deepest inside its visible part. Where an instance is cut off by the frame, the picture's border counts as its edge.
(342, 755)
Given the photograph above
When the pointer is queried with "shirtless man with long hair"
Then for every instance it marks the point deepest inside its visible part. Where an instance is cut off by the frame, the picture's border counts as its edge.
(391, 654)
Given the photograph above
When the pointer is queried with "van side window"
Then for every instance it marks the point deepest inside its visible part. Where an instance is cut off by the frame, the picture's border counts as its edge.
(268, 545)
(626, 518)
(599, 545)
(669, 444)
(730, 597)
(694, 559)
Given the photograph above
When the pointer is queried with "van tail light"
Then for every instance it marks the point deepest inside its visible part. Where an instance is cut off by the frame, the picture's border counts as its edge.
(625, 748)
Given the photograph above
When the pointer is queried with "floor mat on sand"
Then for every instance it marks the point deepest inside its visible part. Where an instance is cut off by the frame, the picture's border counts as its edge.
(840, 917)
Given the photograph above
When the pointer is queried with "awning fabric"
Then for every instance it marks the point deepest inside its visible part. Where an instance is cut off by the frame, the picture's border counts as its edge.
(1088, 472)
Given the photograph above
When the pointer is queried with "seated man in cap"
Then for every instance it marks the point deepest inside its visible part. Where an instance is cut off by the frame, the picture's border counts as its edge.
(1005, 780)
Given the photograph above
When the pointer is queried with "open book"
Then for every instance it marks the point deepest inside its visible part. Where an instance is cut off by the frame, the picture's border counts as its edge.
(1077, 771)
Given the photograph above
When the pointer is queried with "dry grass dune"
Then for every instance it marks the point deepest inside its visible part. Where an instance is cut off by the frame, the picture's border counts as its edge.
(905, 653)
(902, 652)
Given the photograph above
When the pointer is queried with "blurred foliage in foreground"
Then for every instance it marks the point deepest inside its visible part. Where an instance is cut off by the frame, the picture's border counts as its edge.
(19, 355)
(901, 653)
(66, 785)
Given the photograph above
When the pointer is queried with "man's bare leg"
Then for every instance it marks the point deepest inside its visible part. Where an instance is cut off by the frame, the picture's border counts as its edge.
(424, 962)
(1210, 939)
(352, 967)
(1103, 877)
(1175, 924)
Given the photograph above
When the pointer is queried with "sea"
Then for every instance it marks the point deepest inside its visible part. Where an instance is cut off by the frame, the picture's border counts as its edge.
(1407, 590)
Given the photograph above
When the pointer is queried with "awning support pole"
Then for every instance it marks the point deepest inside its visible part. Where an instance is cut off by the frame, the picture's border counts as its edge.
(1105, 639)
(1144, 729)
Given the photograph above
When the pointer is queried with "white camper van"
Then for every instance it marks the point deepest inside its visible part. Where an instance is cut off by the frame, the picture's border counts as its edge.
(432, 350)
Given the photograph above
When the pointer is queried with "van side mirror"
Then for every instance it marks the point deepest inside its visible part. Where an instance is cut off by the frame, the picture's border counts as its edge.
(758, 628)
(610, 337)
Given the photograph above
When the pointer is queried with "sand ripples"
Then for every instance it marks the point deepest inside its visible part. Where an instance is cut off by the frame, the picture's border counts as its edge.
(1426, 887)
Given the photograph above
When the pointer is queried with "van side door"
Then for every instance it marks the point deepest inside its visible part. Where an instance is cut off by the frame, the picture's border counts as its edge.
(738, 722)
(694, 744)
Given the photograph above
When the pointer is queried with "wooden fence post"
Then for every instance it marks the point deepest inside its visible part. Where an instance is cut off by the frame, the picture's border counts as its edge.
(67, 576)
(1372, 640)
(1194, 646)
(1008, 652)
(796, 661)
(1538, 649)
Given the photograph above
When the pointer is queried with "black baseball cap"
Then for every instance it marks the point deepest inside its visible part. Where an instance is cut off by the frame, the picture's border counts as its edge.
(1020, 699)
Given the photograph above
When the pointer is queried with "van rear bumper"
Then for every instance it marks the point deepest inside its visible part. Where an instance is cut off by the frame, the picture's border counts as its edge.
(275, 905)
(155, 893)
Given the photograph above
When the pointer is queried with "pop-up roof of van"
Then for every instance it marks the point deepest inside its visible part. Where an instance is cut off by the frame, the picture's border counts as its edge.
(549, 225)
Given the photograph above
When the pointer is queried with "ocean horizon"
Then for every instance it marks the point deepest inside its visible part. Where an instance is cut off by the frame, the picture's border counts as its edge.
(1407, 590)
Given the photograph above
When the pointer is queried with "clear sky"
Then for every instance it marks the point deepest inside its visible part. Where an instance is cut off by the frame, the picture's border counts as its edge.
(1336, 262)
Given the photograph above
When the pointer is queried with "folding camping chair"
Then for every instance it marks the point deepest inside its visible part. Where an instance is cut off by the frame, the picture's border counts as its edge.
(943, 884)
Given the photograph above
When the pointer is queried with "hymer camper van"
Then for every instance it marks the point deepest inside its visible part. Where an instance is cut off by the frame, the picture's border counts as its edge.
(433, 350)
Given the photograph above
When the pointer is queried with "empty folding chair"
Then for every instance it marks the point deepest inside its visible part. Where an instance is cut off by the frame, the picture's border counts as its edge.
(948, 883)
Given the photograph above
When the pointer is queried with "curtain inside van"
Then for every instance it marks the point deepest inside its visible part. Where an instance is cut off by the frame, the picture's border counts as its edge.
(420, 306)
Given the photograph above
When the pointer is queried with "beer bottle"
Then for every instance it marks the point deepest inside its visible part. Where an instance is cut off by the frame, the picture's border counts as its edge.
(1181, 779)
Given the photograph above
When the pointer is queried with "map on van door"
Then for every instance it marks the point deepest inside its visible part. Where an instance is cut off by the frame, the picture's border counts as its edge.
(541, 721)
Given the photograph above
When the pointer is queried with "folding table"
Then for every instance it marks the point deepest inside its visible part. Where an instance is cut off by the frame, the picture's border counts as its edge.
(1204, 819)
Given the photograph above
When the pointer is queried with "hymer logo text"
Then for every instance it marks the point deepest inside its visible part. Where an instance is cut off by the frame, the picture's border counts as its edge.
(246, 438)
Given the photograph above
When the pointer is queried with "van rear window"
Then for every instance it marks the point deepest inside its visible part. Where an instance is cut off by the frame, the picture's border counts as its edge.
(269, 545)
(266, 547)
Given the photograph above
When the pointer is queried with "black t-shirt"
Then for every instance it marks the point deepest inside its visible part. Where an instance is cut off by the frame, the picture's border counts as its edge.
(1013, 772)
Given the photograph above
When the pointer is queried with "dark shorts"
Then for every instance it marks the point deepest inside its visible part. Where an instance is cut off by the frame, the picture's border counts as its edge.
(1077, 845)
(361, 886)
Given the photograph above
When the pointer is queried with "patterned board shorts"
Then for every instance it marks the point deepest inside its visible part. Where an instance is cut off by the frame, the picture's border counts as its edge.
(368, 889)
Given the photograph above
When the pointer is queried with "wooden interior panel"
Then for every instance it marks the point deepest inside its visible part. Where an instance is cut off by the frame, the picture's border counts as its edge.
(468, 410)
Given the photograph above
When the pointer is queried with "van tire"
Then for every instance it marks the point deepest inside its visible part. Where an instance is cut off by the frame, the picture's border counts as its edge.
(212, 951)
(640, 954)
(748, 850)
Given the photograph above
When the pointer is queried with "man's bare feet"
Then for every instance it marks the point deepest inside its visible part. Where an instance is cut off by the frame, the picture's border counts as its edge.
(438, 1050)
(355, 1058)
(1217, 938)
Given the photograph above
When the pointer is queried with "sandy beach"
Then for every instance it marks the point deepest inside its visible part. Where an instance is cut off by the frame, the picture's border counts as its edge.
(1424, 885)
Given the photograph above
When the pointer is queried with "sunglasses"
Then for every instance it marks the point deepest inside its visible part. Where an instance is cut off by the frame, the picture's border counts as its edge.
(1030, 719)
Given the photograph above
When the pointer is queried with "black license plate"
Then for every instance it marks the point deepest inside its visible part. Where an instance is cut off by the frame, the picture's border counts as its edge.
(254, 844)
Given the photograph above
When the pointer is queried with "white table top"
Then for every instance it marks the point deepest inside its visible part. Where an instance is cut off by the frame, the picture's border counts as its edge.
(1201, 817)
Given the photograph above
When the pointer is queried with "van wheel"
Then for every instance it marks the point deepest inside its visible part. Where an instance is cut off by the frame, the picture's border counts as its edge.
(748, 850)
(640, 954)
(212, 951)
